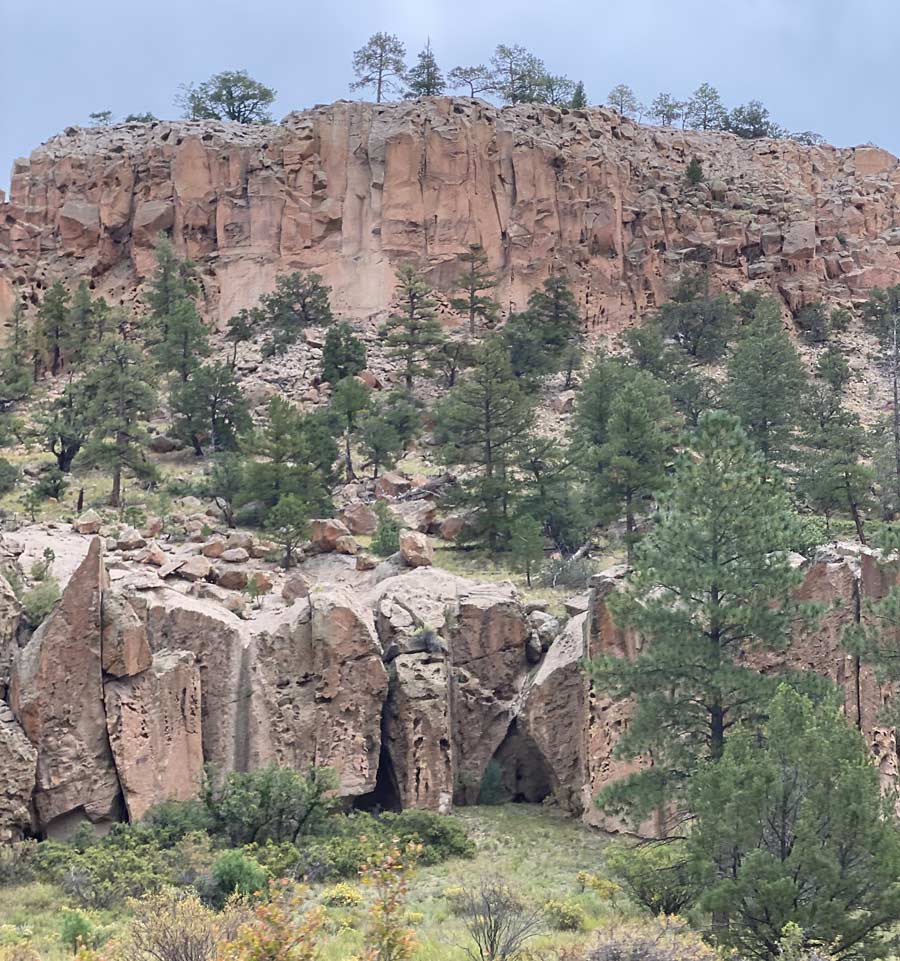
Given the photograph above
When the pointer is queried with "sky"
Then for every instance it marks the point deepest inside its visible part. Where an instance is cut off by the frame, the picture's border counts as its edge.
(822, 65)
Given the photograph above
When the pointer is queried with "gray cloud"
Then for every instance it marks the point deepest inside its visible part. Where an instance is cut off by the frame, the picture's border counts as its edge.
(825, 65)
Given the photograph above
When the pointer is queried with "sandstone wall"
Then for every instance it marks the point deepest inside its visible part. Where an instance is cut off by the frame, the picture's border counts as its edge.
(352, 189)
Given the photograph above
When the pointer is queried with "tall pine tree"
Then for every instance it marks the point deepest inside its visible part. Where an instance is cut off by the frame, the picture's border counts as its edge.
(413, 332)
(425, 78)
(54, 326)
(766, 383)
(482, 423)
(474, 280)
(713, 580)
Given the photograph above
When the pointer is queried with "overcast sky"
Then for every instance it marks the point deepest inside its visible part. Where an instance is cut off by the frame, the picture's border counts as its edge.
(825, 65)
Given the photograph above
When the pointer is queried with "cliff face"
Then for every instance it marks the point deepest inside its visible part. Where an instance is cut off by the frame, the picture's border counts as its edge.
(352, 189)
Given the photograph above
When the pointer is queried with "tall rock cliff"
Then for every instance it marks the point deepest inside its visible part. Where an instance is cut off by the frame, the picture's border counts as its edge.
(352, 189)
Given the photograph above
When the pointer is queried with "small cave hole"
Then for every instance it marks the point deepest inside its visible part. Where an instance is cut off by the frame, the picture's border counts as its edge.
(386, 794)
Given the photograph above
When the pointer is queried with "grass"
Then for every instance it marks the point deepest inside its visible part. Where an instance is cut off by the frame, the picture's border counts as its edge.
(538, 852)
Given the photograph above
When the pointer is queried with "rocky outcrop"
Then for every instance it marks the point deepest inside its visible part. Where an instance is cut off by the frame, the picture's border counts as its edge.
(352, 189)
(153, 719)
(56, 693)
(10, 615)
(318, 687)
(18, 768)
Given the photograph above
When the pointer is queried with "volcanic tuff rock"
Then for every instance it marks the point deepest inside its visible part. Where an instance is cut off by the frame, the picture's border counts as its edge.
(409, 689)
(351, 189)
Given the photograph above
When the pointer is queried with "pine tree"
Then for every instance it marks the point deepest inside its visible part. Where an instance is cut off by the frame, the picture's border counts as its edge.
(517, 74)
(834, 470)
(482, 423)
(666, 109)
(699, 323)
(474, 280)
(791, 828)
(65, 423)
(54, 325)
(88, 319)
(179, 338)
(15, 373)
(296, 455)
(881, 315)
(477, 79)
(693, 173)
(425, 78)
(413, 332)
(713, 580)
(705, 110)
(241, 328)
(538, 338)
(121, 400)
(349, 401)
(379, 64)
(622, 99)
(173, 281)
(766, 383)
(449, 358)
(638, 446)
(579, 97)
(298, 301)
(385, 430)
(343, 355)
(288, 524)
(549, 492)
(210, 405)
(526, 544)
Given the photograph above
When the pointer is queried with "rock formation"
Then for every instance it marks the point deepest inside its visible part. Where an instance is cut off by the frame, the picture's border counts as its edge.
(352, 189)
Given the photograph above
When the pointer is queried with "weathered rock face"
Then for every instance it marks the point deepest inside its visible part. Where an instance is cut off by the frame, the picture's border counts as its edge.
(10, 615)
(154, 728)
(56, 694)
(318, 687)
(18, 767)
(352, 189)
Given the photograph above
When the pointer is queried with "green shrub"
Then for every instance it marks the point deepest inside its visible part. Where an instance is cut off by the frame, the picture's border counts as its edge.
(9, 476)
(565, 914)
(491, 790)
(341, 895)
(386, 539)
(441, 836)
(279, 858)
(76, 930)
(693, 174)
(38, 602)
(235, 873)
(274, 803)
(52, 484)
(808, 533)
(657, 875)
(170, 821)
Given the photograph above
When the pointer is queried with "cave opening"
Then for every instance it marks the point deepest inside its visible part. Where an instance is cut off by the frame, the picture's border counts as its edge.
(518, 771)
(386, 794)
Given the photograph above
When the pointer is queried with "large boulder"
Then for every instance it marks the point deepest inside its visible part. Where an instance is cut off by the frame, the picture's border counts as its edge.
(326, 534)
(56, 693)
(125, 648)
(359, 518)
(416, 549)
(154, 721)
(319, 686)
(10, 615)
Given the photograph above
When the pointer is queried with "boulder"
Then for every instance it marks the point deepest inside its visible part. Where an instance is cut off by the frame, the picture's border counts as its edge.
(800, 240)
(235, 555)
(346, 545)
(88, 523)
(232, 578)
(416, 549)
(125, 648)
(294, 588)
(240, 539)
(196, 568)
(130, 540)
(359, 518)
(214, 548)
(325, 534)
(56, 693)
(392, 484)
(154, 721)
(416, 515)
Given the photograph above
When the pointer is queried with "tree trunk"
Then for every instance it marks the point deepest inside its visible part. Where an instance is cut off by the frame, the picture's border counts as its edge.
(348, 456)
(115, 495)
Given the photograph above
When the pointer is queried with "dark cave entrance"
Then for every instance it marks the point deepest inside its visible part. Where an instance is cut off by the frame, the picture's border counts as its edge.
(517, 772)
(386, 794)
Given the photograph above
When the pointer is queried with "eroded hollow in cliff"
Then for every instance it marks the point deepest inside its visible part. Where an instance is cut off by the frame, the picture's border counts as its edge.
(386, 794)
(517, 772)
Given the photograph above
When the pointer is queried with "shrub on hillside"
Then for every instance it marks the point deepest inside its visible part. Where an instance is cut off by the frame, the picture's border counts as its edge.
(9, 476)
(386, 539)
(236, 873)
(657, 876)
(665, 939)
